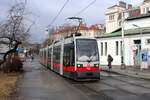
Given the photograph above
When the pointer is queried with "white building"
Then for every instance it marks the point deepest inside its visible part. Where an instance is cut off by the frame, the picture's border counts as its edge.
(114, 16)
(136, 36)
(145, 7)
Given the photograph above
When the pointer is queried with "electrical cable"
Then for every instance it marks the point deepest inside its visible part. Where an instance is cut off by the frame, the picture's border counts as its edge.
(58, 13)
(91, 3)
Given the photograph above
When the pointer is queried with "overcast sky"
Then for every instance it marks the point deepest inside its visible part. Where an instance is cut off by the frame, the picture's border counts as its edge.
(45, 10)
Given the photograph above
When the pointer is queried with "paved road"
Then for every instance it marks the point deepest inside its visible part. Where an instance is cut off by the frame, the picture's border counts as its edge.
(38, 83)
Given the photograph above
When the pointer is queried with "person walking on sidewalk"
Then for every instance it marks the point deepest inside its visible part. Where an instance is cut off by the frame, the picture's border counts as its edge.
(110, 60)
(32, 58)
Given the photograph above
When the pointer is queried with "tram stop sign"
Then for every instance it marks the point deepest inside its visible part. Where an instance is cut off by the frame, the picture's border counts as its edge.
(134, 47)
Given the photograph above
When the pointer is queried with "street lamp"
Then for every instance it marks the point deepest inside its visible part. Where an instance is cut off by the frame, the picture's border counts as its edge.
(123, 43)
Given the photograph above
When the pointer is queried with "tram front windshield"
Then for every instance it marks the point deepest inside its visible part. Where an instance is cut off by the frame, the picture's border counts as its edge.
(87, 50)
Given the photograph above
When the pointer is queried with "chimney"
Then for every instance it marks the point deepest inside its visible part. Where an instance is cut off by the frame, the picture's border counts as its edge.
(146, 0)
(129, 6)
(122, 4)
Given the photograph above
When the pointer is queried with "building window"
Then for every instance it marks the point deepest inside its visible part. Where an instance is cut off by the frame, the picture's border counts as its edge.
(121, 49)
(117, 47)
(105, 48)
(143, 10)
(119, 23)
(101, 49)
(148, 41)
(111, 17)
(147, 9)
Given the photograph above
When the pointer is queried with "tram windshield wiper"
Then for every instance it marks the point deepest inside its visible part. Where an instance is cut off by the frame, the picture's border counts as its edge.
(92, 57)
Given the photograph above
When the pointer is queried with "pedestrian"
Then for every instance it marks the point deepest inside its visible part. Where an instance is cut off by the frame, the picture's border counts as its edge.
(32, 57)
(110, 60)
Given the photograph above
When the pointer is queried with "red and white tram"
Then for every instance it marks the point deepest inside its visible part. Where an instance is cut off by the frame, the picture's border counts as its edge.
(75, 57)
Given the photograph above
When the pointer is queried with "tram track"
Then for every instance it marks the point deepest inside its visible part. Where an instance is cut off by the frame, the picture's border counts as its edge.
(145, 95)
(92, 92)
(127, 81)
(89, 91)
(114, 86)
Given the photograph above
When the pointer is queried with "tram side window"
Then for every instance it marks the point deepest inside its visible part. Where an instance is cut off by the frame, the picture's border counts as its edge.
(56, 56)
(40, 54)
(49, 54)
(44, 54)
(68, 57)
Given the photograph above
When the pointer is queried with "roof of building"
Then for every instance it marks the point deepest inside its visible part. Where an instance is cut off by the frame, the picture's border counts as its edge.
(73, 28)
(137, 31)
(94, 27)
(146, 0)
(139, 16)
(113, 6)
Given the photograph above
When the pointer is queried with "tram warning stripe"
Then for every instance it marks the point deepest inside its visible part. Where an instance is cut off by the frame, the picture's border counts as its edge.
(70, 68)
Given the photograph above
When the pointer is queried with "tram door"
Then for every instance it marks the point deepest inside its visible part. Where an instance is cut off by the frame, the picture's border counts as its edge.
(68, 55)
(137, 52)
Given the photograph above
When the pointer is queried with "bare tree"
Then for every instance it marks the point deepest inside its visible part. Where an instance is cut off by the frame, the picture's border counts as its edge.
(13, 32)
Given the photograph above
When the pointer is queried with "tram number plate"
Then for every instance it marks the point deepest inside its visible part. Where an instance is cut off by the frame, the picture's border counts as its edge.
(88, 65)
(88, 68)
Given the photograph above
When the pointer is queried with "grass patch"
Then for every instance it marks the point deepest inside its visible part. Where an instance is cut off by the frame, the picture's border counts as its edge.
(8, 83)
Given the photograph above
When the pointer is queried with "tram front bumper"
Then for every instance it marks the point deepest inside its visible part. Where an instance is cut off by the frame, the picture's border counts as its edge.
(88, 74)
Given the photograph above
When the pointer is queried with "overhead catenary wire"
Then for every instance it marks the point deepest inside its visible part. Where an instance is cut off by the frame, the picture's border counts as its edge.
(59, 13)
(91, 3)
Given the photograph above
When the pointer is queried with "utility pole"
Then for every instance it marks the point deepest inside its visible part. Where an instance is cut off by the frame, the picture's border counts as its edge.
(123, 43)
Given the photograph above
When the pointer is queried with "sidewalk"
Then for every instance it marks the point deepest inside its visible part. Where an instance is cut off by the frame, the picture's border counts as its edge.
(144, 74)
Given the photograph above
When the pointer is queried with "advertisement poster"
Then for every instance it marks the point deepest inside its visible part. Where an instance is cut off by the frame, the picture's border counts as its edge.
(144, 60)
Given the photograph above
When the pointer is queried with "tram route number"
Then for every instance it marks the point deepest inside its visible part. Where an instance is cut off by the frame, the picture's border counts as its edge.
(88, 67)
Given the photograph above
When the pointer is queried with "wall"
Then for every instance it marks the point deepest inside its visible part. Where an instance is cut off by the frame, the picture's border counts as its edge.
(129, 54)
(112, 25)
(144, 22)
(144, 42)
(144, 6)
(111, 49)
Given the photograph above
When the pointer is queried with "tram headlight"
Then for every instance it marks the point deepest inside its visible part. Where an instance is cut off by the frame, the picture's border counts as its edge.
(79, 65)
(96, 65)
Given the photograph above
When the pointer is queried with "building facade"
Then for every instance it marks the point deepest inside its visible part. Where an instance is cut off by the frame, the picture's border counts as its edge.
(145, 7)
(92, 31)
(134, 34)
(114, 15)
